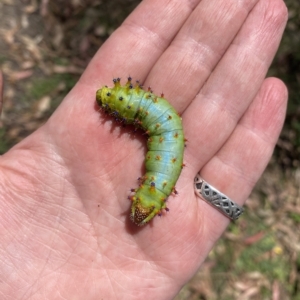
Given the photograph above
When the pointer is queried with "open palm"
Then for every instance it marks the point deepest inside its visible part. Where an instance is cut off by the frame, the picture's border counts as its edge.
(65, 228)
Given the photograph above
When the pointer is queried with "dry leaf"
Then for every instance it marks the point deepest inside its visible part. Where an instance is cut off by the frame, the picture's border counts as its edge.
(42, 106)
(32, 47)
(19, 75)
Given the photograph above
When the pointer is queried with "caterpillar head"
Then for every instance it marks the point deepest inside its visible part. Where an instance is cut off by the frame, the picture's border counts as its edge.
(102, 96)
(105, 96)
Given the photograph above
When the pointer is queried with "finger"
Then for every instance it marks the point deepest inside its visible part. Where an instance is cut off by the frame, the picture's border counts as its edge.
(131, 50)
(197, 48)
(235, 169)
(234, 83)
(136, 45)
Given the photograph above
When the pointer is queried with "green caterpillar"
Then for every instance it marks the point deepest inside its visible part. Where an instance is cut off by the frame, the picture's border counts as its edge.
(130, 104)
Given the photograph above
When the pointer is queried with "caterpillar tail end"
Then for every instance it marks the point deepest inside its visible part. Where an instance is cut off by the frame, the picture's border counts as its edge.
(141, 215)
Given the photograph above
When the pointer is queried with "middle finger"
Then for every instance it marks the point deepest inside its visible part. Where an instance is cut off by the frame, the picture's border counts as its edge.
(234, 83)
(197, 48)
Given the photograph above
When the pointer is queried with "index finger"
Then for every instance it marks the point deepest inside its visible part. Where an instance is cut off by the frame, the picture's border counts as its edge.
(138, 43)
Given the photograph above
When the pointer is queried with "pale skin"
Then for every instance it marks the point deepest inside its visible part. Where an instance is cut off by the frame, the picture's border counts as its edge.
(65, 228)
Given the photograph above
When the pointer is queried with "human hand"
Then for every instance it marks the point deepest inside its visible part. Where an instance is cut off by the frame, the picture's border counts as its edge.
(65, 229)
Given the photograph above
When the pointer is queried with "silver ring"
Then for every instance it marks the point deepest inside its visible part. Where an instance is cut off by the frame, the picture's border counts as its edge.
(217, 199)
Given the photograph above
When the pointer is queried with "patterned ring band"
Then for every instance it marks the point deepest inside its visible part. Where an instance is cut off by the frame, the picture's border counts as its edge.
(217, 199)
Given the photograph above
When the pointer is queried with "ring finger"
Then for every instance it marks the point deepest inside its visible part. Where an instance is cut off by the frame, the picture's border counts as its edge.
(237, 166)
